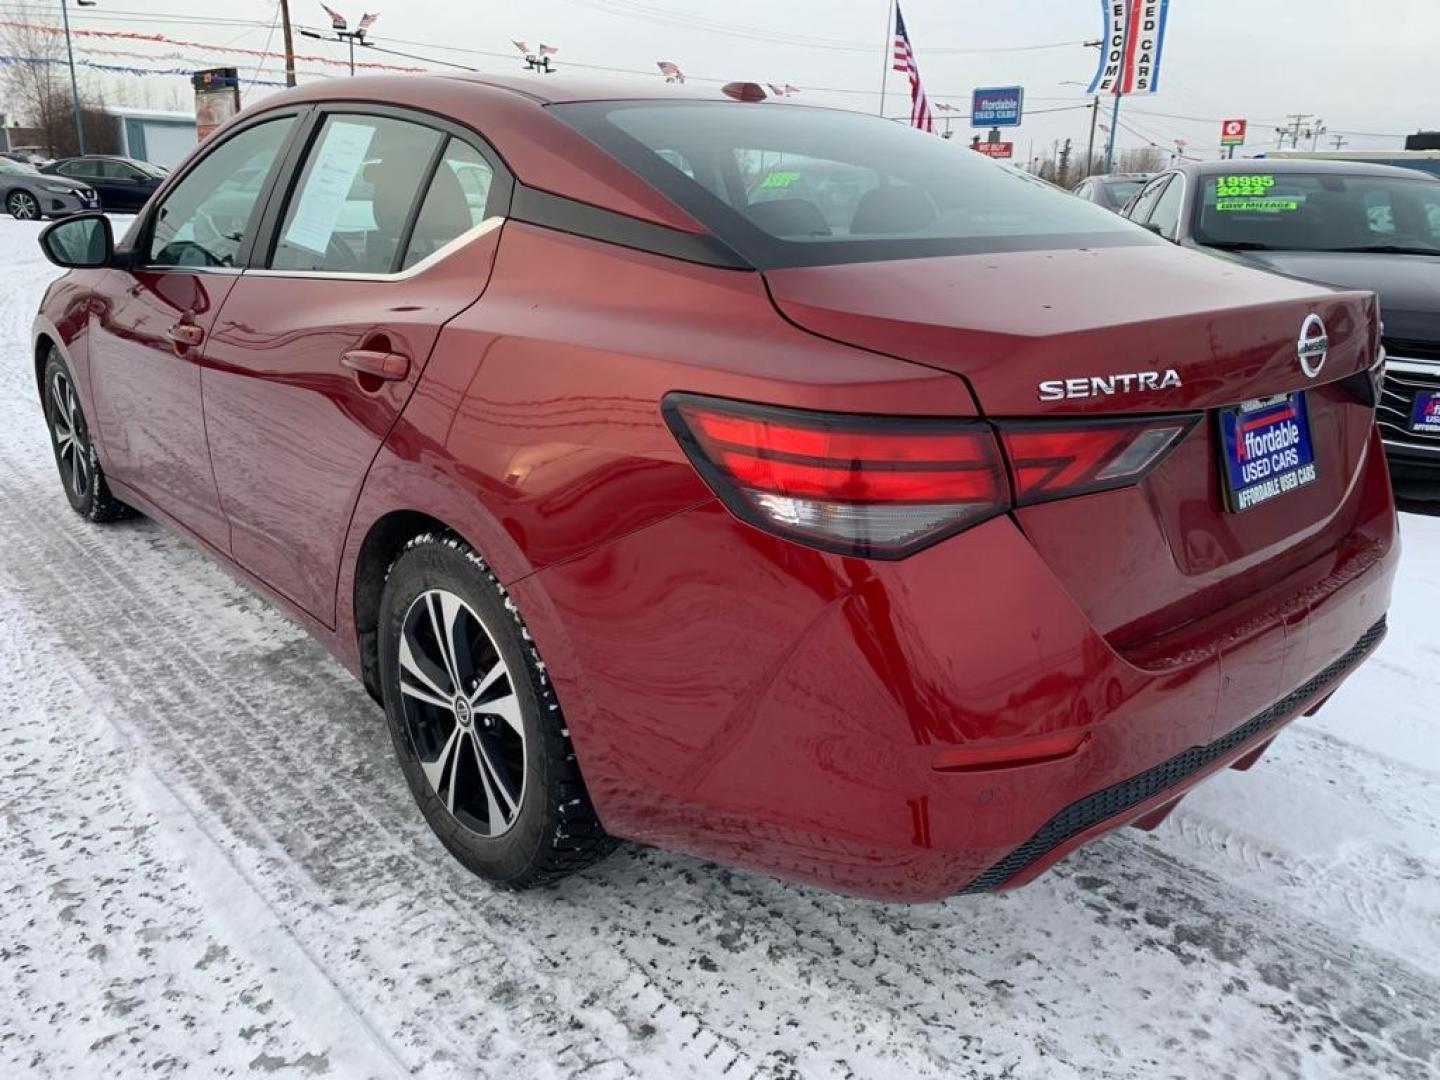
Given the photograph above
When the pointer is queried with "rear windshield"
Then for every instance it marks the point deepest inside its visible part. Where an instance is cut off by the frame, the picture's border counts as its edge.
(1319, 212)
(792, 186)
(1119, 191)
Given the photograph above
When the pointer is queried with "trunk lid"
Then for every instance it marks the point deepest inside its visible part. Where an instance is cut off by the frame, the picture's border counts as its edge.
(1151, 564)
(1009, 322)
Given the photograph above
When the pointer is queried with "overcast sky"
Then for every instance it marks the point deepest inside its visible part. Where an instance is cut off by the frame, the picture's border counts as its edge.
(1368, 69)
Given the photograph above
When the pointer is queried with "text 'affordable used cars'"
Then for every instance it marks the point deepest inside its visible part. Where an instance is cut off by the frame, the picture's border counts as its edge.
(771, 483)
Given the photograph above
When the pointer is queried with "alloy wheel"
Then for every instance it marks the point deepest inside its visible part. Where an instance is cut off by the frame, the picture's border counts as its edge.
(461, 712)
(22, 205)
(67, 429)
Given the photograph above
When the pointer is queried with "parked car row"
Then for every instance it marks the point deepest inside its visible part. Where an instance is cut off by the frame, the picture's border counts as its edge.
(57, 188)
(1346, 224)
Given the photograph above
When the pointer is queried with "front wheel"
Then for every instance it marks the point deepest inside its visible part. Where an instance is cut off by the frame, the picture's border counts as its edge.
(475, 722)
(23, 206)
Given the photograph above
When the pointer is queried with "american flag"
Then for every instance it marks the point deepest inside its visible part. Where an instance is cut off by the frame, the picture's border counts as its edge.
(920, 116)
(548, 50)
(524, 48)
(671, 71)
(337, 21)
(366, 21)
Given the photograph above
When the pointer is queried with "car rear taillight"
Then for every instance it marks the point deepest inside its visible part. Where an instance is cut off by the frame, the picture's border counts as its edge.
(1058, 459)
(884, 487)
(881, 487)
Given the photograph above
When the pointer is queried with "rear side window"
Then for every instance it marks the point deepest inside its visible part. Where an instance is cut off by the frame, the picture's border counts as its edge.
(455, 203)
(205, 217)
(349, 212)
(787, 185)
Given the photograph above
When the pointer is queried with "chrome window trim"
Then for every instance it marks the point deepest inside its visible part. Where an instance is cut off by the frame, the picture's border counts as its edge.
(489, 225)
(176, 268)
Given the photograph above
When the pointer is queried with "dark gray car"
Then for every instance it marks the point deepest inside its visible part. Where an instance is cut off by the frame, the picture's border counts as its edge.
(1348, 224)
(30, 196)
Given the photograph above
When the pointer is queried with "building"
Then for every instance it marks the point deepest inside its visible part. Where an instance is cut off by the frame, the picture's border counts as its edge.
(153, 135)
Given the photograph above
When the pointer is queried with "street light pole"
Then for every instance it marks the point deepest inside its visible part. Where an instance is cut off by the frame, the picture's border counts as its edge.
(74, 85)
(1114, 127)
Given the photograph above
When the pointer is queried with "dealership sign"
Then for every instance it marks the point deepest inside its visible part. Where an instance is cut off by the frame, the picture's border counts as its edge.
(1232, 132)
(995, 149)
(997, 106)
(1134, 39)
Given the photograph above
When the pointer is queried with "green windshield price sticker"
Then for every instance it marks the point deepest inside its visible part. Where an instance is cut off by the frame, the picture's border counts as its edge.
(780, 179)
(1229, 187)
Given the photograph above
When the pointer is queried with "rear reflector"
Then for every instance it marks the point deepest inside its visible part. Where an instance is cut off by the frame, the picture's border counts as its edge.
(886, 486)
(1007, 756)
(1055, 460)
(881, 487)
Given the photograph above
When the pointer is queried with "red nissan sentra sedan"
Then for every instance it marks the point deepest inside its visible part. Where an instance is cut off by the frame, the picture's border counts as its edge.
(772, 483)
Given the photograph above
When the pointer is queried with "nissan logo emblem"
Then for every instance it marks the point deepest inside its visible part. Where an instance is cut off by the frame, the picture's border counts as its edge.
(1313, 345)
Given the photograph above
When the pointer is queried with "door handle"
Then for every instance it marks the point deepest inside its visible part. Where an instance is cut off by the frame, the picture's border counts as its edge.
(382, 365)
(183, 333)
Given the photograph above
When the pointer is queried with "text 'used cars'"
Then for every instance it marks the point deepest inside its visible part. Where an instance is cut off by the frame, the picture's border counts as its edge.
(776, 484)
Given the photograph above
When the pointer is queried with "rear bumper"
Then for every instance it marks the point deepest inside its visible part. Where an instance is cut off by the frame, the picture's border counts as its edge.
(742, 698)
(1160, 786)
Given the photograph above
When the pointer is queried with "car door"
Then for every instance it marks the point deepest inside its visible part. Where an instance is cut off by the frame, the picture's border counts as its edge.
(148, 338)
(319, 345)
(124, 189)
(87, 171)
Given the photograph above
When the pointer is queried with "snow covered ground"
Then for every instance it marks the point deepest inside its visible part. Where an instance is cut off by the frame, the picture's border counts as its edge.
(209, 862)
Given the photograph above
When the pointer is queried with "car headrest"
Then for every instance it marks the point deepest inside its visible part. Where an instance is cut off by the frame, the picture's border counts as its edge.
(892, 209)
(789, 217)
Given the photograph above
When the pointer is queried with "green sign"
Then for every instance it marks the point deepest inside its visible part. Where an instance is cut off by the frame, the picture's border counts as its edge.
(780, 179)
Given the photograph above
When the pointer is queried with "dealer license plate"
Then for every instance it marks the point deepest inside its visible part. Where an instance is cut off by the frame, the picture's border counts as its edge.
(1425, 416)
(1265, 450)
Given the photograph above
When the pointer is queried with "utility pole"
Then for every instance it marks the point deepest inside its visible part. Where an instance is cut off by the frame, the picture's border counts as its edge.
(1315, 133)
(1340, 142)
(289, 43)
(889, 56)
(1292, 130)
(74, 85)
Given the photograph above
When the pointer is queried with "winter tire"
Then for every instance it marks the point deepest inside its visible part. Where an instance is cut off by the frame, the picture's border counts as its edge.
(75, 456)
(22, 206)
(475, 722)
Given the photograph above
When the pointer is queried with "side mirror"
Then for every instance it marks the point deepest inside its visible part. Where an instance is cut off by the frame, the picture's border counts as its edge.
(84, 240)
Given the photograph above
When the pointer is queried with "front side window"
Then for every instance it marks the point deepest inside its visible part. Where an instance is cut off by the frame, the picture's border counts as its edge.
(119, 170)
(361, 180)
(789, 186)
(1145, 202)
(77, 168)
(206, 217)
(1309, 211)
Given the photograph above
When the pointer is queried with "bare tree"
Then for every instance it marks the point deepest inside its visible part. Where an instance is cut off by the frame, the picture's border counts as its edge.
(1140, 160)
(39, 84)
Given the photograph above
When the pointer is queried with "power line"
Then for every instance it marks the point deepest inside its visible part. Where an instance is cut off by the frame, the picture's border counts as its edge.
(651, 14)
